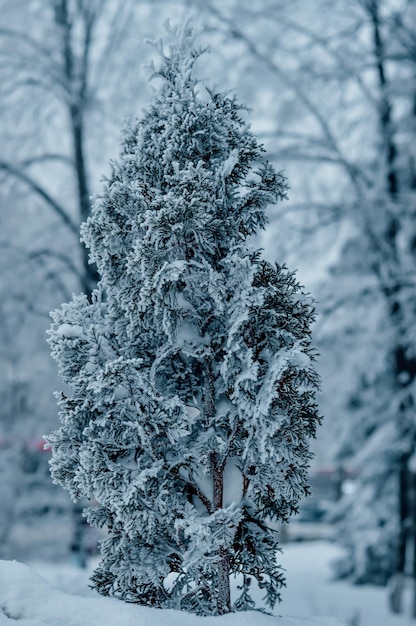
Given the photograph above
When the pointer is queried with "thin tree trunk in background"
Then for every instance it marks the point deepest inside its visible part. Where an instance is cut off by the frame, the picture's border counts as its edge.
(412, 477)
(385, 107)
(397, 582)
(90, 271)
(404, 367)
(76, 76)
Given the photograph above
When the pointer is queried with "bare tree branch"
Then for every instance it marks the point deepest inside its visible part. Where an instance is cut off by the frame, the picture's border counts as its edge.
(59, 256)
(42, 193)
(268, 62)
(48, 157)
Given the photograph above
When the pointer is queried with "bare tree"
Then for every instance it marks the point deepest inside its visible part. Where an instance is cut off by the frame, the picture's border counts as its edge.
(56, 74)
(61, 103)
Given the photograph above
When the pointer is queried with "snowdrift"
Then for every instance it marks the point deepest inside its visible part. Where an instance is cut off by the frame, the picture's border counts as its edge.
(26, 598)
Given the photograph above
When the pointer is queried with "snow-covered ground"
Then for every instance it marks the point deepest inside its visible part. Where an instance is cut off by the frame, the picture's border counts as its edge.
(62, 598)
(310, 590)
(29, 600)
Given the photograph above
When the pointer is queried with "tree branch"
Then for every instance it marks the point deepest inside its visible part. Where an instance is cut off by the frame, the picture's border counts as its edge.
(300, 93)
(196, 491)
(42, 193)
(66, 260)
(47, 157)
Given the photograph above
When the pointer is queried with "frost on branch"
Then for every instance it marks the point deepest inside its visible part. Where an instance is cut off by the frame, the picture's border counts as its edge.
(191, 373)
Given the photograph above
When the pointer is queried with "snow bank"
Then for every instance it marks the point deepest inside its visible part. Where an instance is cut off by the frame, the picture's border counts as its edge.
(26, 598)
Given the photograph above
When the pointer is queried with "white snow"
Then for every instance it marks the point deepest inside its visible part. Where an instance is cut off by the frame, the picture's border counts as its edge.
(301, 360)
(120, 392)
(70, 330)
(187, 334)
(230, 163)
(412, 464)
(310, 591)
(192, 411)
(26, 598)
(233, 483)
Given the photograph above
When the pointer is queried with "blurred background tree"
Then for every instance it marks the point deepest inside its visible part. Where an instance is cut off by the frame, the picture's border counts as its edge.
(333, 88)
(66, 80)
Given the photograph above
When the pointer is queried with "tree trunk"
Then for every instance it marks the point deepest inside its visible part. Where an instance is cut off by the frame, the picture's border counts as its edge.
(223, 594)
(76, 76)
(397, 582)
(223, 591)
(385, 107)
(412, 477)
(405, 373)
(90, 271)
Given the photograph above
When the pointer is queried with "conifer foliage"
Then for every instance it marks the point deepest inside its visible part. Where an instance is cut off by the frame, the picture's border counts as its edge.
(191, 371)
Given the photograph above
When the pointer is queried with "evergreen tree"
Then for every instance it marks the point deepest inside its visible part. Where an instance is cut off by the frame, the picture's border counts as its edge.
(192, 386)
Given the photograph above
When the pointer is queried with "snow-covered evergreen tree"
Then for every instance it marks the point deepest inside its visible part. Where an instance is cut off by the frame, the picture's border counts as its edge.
(191, 376)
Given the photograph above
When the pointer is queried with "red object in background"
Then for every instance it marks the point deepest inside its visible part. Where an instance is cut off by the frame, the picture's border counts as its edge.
(38, 445)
